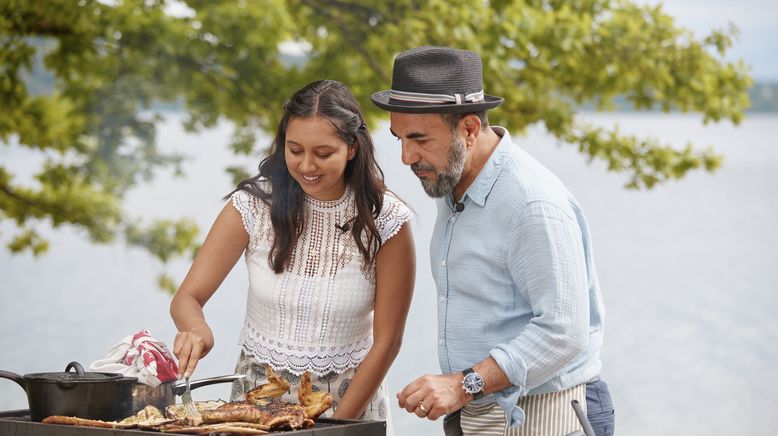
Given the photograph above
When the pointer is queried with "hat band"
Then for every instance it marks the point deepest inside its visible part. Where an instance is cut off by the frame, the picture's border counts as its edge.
(418, 97)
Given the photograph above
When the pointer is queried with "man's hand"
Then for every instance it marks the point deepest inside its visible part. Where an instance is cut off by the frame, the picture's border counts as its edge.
(433, 396)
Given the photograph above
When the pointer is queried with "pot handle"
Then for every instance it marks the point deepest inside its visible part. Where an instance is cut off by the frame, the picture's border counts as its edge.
(79, 369)
(15, 377)
(180, 385)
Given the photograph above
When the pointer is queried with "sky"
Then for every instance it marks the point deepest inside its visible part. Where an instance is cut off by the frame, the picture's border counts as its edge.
(757, 21)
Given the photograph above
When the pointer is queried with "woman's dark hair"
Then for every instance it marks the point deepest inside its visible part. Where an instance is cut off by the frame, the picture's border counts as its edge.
(333, 101)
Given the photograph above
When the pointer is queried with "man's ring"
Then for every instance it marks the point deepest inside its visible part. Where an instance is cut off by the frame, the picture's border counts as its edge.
(421, 406)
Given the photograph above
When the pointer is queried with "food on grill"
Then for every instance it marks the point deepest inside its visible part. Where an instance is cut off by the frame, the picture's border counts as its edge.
(277, 415)
(262, 411)
(314, 403)
(72, 420)
(275, 387)
(216, 428)
(146, 414)
(232, 428)
(149, 416)
(238, 411)
(262, 406)
(177, 410)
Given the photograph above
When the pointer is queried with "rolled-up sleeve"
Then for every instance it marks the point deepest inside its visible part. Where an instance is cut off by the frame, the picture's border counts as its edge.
(545, 258)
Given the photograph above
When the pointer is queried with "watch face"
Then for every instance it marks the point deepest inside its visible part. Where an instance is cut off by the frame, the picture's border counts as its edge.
(473, 383)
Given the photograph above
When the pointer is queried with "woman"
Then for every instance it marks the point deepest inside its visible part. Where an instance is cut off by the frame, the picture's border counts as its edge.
(330, 259)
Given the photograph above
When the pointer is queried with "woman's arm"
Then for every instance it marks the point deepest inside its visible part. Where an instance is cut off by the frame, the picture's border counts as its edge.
(221, 250)
(395, 276)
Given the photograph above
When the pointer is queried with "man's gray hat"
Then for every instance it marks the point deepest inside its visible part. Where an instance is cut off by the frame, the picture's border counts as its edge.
(436, 80)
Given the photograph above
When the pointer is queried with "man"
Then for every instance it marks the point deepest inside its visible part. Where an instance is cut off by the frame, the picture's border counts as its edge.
(520, 314)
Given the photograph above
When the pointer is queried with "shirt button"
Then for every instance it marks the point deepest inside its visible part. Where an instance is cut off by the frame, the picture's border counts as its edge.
(442, 299)
(443, 263)
(441, 342)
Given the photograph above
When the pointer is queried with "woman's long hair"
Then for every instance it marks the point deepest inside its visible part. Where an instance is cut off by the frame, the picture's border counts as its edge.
(333, 101)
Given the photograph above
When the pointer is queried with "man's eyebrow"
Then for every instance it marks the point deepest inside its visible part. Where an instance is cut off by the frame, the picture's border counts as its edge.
(416, 135)
(412, 135)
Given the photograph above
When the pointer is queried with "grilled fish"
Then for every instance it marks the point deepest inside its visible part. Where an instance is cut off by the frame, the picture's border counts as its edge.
(177, 410)
(72, 420)
(231, 428)
(149, 416)
(276, 415)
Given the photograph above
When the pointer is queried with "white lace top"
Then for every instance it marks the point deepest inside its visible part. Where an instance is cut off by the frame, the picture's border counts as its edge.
(317, 315)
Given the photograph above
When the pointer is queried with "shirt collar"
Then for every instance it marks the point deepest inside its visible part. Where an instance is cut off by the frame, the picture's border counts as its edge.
(483, 183)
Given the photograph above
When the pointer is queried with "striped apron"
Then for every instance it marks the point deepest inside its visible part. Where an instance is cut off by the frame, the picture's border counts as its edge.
(548, 414)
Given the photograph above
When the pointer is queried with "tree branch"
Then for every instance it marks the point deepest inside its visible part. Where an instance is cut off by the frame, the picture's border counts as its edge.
(5, 189)
(355, 42)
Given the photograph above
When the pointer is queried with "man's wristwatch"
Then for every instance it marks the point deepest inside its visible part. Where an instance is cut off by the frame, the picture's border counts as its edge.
(473, 383)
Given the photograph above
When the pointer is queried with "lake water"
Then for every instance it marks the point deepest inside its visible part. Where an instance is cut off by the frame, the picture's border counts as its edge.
(687, 272)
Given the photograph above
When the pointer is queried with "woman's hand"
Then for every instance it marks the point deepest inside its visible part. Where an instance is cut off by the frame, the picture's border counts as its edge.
(190, 346)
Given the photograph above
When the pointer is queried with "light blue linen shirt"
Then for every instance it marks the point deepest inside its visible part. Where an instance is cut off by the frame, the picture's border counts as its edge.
(516, 280)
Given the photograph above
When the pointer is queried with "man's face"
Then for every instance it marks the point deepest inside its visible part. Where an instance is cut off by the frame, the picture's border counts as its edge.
(435, 154)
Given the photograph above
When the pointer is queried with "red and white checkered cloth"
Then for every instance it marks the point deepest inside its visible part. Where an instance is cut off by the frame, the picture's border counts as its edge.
(142, 356)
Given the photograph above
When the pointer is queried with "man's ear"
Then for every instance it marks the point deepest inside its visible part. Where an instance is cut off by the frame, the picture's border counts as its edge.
(472, 128)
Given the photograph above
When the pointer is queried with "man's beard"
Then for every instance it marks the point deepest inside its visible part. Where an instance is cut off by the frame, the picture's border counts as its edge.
(446, 180)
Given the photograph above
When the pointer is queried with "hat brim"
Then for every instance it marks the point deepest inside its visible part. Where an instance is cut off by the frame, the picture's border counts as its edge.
(382, 100)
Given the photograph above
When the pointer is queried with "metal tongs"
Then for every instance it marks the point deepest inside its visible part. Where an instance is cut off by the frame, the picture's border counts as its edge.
(585, 424)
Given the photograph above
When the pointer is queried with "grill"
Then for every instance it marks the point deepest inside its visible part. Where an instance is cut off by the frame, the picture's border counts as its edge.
(17, 423)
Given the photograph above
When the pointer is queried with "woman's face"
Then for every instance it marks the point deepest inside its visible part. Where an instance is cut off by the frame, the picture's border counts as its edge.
(316, 157)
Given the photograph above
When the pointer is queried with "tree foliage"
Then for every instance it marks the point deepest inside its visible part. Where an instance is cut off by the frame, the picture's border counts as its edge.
(221, 59)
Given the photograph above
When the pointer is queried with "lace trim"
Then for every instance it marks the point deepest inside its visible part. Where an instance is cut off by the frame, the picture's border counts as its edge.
(330, 205)
(246, 204)
(318, 360)
(393, 215)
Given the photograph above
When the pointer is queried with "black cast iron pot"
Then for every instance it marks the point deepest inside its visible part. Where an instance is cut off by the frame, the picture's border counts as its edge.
(93, 395)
